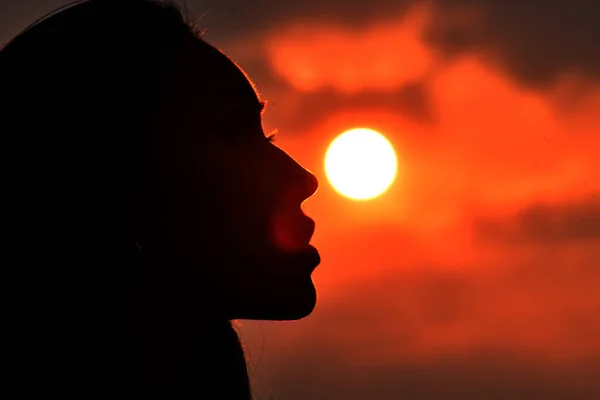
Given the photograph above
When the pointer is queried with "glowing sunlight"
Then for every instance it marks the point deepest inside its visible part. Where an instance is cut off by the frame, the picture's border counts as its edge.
(360, 164)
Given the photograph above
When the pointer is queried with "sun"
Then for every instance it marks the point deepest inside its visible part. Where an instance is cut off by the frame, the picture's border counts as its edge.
(361, 164)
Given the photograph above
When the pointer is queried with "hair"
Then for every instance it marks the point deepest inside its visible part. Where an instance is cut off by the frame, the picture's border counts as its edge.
(79, 91)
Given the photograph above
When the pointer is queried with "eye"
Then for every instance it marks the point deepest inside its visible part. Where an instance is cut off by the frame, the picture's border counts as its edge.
(271, 136)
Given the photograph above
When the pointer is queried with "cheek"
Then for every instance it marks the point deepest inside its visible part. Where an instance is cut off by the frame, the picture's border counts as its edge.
(245, 197)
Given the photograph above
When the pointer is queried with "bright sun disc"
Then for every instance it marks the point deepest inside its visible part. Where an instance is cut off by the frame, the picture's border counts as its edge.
(360, 164)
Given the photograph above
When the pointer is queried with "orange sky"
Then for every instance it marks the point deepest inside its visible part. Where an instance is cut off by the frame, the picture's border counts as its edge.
(487, 245)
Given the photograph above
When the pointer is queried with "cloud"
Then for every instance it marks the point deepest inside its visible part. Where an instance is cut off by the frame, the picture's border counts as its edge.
(535, 40)
(385, 56)
(238, 19)
(294, 113)
(315, 68)
(549, 224)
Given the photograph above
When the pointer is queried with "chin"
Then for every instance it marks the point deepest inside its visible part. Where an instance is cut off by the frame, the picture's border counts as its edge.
(297, 306)
(293, 297)
(279, 290)
(285, 302)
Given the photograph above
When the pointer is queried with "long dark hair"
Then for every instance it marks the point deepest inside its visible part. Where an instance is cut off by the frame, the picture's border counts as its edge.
(79, 91)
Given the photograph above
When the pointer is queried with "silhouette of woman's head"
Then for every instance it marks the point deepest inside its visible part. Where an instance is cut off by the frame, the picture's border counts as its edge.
(140, 168)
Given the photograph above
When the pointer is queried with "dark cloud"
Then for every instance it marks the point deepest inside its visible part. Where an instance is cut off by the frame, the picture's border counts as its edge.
(244, 17)
(535, 39)
(548, 224)
(311, 109)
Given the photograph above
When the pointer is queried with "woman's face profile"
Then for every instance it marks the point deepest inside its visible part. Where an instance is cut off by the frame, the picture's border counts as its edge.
(236, 207)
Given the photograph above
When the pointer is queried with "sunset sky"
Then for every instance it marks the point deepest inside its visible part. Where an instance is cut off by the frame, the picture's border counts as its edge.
(477, 274)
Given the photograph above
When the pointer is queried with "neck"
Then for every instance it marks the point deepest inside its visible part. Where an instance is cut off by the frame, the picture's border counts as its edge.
(177, 349)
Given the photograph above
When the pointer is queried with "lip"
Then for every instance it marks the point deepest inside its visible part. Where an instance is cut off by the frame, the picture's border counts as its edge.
(309, 257)
(314, 253)
(306, 231)
(292, 231)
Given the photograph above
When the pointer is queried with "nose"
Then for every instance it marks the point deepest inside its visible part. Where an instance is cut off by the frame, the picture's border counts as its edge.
(304, 183)
(311, 184)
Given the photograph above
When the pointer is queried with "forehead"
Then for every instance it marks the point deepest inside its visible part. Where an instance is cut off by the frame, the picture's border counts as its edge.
(220, 80)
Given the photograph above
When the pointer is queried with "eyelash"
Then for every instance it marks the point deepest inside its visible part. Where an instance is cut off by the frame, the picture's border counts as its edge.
(271, 137)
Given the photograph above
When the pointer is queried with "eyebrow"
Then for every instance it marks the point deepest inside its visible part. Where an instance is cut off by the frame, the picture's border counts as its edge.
(261, 106)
